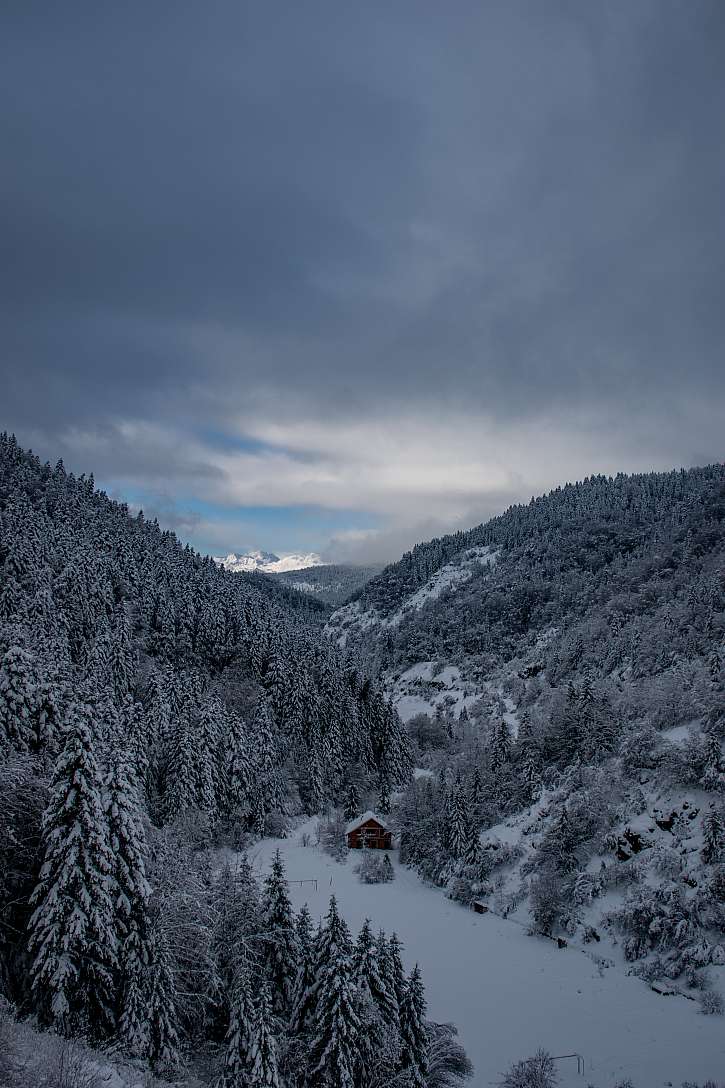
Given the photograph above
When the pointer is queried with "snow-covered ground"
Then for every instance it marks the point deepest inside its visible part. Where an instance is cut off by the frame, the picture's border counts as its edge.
(509, 993)
(354, 619)
(421, 689)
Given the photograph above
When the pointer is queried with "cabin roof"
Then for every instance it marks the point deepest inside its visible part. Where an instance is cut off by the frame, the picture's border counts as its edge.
(365, 818)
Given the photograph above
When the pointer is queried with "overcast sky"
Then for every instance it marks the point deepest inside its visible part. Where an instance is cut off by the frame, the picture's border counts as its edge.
(344, 276)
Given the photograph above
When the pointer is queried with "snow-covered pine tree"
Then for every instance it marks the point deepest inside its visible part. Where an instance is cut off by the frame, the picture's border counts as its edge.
(531, 777)
(123, 655)
(713, 836)
(352, 802)
(334, 1044)
(281, 951)
(369, 976)
(304, 994)
(500, 746)
(458, 820)
(304, 1002)
(267, 785)
(135, 961)
(237, 1056)
(18, 699)
(131, 890)
(413, 1031)
(397, 974)
(239, 773)
(263, 1049)
(181, 793)
(73, 927)
(387, 971)
(164, 1048)
(210, 780)
(137, 740)
(712, 776)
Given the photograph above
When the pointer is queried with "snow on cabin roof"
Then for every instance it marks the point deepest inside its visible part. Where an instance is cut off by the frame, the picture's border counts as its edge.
(355, 824)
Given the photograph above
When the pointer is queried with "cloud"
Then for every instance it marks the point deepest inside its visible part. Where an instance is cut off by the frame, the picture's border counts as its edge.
(407, 262)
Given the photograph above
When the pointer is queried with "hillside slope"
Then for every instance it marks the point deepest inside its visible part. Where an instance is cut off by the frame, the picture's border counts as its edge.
(561, 671)
(331, 583)
(235, 710)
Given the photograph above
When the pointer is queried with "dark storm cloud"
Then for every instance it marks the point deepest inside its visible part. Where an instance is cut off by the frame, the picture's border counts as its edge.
(227, 215)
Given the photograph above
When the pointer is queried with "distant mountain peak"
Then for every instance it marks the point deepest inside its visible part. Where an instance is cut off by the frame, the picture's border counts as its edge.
(267, 562)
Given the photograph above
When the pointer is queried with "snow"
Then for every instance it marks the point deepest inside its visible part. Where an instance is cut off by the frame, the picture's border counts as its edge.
(448, 578)
(268, 562)
(678, 735)
(420, 689)
(369, 815)
(509, 993)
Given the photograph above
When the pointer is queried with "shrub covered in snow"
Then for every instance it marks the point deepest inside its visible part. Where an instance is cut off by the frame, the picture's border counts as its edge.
(536, 1072)
(375, 868)
(660, 919)
(711, 1003)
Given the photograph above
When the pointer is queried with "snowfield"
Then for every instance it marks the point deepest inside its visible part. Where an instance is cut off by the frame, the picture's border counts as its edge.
(509, 993)
(267, 562)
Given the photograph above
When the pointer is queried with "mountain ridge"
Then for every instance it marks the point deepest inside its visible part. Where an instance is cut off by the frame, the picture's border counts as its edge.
(268, 562)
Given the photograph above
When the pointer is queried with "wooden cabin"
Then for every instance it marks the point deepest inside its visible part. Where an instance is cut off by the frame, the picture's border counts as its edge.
(369, 831)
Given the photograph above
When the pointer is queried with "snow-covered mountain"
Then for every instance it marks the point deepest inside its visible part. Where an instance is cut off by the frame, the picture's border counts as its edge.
(561, 673)
(267, 562)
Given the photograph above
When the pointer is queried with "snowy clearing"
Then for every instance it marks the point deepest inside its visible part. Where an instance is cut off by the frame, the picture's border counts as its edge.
(509, 993)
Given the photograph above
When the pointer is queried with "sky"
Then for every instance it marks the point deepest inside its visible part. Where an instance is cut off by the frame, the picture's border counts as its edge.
(343, 277)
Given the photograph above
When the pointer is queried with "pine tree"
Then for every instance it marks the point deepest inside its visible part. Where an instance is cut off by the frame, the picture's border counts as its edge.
(267, 785)
(237, 1057)
(559, 843)
(164, 1045)
(333, 939)
(181, 792)
(135, 963)
(713, 777)
(397, 974)
(123, 657)
(531, 778)
(73, 926)
(240, 773)
(413, 1031)
(335, 1039)
(369, 976)
(18, 699)
(713, 836)
(387, 972)
(500, 746)
(281, 949)
(352, 802)
(304, 995)
(458, 820)
(138, 741)
(131, 892)
(210, 777)
(263, 1050)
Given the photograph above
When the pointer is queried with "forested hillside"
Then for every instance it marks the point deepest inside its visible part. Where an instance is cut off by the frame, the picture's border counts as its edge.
(331, 583)
(561, 670)
(153, 706)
